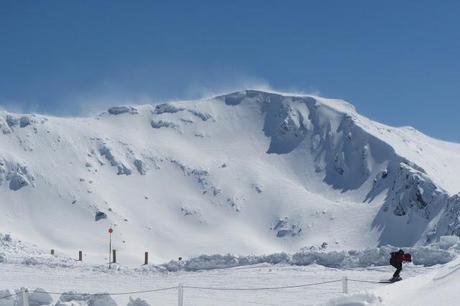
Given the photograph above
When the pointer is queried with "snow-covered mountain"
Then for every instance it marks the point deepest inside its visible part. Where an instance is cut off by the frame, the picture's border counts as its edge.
(248, 172)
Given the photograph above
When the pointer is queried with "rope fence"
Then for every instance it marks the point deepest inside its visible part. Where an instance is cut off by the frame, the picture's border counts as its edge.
(261, 288)
(180, 289)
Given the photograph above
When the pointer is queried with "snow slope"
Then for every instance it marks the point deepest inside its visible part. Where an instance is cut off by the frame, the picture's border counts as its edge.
(249, 172)
(438, 287)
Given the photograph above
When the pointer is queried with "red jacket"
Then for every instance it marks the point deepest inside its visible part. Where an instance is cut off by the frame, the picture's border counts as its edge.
(398, 257)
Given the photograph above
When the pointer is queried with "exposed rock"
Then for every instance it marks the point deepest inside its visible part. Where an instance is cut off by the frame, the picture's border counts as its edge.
(284, 228)
(17, 181)
(117, 110)
(163, 124)
(24, 121)
(167, 108)
(100, 215)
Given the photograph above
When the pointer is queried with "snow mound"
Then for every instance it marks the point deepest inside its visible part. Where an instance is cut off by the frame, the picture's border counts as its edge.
(137, 302)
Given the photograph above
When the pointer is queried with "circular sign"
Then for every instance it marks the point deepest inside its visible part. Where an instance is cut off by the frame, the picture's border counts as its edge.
(110, 230)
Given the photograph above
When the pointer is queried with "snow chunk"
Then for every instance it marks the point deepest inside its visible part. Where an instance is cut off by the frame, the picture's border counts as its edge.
(40, 297)
(101, 300)
(71, 296)
(6, 299)
(137, 302)
(446, 242)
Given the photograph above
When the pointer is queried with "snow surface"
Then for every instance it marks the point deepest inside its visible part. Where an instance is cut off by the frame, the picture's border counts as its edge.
(84, 280)
(295, 189)
(55, 280)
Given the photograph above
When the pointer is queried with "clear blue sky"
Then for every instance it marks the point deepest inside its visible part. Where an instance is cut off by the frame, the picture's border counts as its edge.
(397, 61)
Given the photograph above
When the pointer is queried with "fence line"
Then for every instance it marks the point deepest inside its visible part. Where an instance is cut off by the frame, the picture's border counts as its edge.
(180, 289)
(116, 293)
(261, 288)
(364, 281)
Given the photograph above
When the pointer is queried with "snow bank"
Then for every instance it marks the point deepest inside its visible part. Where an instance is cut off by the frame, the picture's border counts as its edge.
(438, 287)
(425, 256)
(39, 297)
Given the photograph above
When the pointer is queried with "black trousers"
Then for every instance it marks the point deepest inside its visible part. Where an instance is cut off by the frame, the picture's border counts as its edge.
(398, 266)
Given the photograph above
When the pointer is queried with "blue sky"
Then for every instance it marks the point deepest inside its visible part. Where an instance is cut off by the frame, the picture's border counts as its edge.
(398, 62)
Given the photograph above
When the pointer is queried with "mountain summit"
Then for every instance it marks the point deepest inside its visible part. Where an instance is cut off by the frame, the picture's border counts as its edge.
(246, 172)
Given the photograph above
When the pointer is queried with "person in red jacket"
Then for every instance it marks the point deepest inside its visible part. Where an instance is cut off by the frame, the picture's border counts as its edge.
(396, 260)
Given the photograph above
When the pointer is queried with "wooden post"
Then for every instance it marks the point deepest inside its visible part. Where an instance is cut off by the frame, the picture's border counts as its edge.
(345, 285)
(25, 297)
(114, 257)
(80, 256)
(180, 295)
(52, 251)
(146, 258)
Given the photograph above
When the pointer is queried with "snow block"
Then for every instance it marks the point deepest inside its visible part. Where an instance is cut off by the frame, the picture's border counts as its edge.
(137, 302)
(40, 297)
(6, 299)
(446, 242)
(101, 300)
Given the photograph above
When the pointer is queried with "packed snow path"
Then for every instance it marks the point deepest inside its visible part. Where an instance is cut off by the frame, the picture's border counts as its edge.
(93, 280)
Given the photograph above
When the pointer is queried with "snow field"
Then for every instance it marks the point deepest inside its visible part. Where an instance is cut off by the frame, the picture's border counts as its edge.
(255, 276)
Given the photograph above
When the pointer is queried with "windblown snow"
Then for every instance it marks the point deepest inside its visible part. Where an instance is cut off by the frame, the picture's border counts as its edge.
(249, 172)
